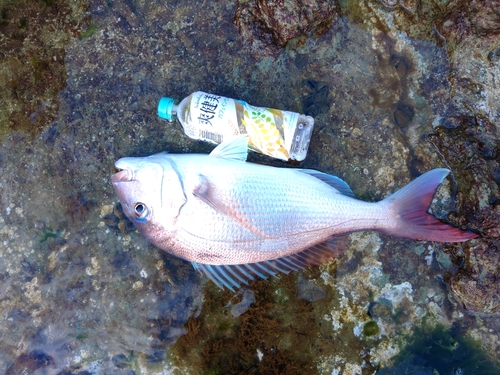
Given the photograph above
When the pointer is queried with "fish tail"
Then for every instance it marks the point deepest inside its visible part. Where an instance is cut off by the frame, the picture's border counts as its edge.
(409, 206)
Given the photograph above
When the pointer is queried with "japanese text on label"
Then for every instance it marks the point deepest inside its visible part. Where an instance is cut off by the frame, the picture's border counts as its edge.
(208, 107)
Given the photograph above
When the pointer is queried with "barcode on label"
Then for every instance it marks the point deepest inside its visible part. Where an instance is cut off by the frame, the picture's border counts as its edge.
(211, 136)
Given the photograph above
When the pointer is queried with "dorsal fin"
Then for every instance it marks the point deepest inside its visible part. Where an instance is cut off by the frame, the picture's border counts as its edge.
(233, 276)
(333, 181)
(236, 149)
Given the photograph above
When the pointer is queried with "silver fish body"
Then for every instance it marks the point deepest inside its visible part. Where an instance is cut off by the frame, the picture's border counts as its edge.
(225, 215)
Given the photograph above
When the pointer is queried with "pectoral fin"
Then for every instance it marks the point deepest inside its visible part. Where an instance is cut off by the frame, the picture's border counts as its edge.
(207, 193)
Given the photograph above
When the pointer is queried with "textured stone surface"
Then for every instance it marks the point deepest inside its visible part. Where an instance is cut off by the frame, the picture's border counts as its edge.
(397, 88)
(270, 24)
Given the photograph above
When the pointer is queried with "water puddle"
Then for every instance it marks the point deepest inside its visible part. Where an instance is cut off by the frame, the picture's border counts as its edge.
(393, 95)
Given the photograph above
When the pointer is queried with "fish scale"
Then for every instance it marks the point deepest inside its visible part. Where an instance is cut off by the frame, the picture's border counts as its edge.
(268, 211)
(236, 221)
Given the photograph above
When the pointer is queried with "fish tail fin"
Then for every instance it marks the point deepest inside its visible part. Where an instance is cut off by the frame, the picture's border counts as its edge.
(409, 206)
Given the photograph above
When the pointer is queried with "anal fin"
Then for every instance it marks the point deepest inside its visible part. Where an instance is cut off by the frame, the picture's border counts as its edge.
(234, 275)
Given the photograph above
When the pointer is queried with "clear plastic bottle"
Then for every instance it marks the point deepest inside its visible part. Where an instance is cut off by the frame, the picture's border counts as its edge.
(281, 134)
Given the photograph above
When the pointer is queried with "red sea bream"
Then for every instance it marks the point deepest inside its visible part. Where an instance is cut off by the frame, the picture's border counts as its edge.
(236, 221)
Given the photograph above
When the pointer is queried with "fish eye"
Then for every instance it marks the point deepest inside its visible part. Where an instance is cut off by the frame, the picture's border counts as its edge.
(140, 210)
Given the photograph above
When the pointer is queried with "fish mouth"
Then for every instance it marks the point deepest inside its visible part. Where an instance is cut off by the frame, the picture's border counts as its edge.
(124, 175)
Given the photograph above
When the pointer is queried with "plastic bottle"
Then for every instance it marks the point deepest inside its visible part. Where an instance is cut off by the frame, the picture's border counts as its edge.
(213, 118)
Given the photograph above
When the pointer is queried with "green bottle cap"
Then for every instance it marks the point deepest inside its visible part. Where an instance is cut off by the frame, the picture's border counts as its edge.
(165, 107)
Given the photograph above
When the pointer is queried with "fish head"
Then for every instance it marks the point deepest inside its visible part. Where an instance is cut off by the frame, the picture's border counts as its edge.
(150, 191)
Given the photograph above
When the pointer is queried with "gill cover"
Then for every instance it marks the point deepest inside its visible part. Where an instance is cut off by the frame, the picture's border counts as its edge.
(172, 193)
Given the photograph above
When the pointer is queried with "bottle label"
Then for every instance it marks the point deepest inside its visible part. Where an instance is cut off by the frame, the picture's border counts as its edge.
(280, 134)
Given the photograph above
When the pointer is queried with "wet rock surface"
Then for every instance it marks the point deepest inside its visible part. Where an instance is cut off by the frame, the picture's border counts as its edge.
(397, 88)
(34, 36)
(271, 24)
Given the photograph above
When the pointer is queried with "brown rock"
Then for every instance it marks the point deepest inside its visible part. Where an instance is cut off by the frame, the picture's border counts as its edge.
(277, 22)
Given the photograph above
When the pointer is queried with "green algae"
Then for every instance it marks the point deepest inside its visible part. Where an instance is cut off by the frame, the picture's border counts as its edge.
(48, 233)
(371, 328)
(91, 29)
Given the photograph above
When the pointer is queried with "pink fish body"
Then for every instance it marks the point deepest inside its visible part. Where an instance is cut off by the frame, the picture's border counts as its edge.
(236, 221)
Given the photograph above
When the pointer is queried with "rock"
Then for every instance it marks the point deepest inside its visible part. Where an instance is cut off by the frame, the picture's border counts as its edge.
(247, 298)
(275, 23)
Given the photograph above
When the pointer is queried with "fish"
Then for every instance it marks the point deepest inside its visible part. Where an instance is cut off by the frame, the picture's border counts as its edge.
(237, 221)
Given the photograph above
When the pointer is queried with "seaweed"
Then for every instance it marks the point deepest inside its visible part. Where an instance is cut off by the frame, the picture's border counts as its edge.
(278, 334)
(48, 233)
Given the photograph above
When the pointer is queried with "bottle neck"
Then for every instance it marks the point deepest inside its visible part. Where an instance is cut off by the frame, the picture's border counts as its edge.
(175, 111)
